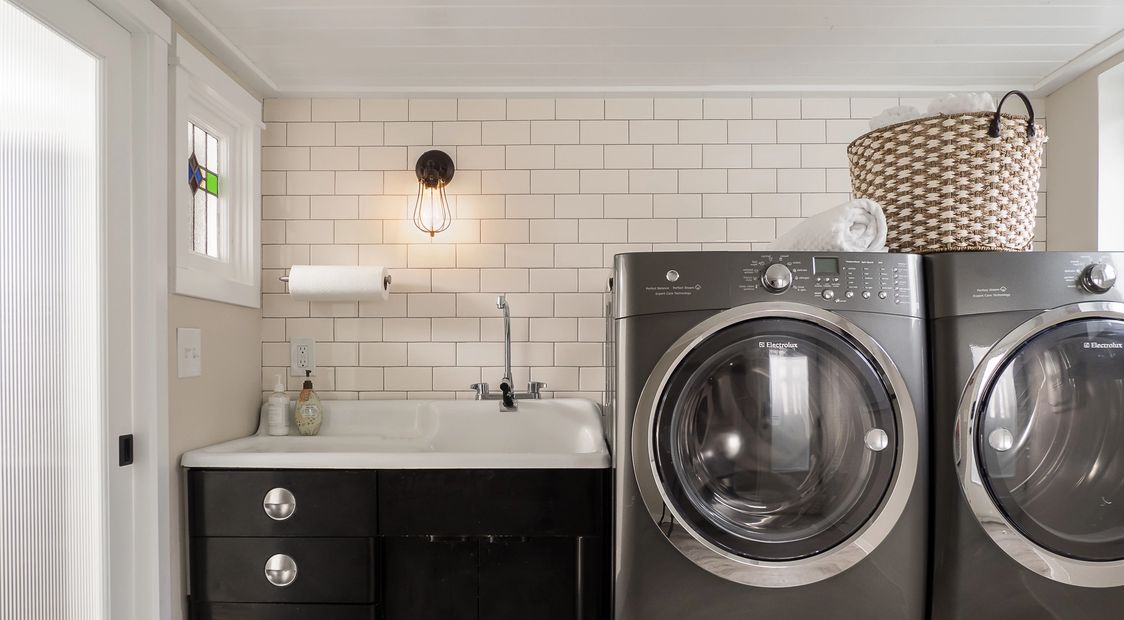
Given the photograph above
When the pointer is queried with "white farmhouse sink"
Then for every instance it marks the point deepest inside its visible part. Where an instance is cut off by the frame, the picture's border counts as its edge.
(427, 434)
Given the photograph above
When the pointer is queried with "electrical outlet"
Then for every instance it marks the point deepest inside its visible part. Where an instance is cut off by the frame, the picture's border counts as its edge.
(302, 356)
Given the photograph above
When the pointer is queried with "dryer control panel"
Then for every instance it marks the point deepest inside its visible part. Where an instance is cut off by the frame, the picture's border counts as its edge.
(652, 282)
(963, 283)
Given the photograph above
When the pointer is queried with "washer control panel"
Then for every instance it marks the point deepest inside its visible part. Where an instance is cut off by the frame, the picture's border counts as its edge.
(836, 280)
(654, 282)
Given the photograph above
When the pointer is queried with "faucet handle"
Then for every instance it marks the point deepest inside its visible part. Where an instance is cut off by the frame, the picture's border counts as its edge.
(481, 390)
(535, 387)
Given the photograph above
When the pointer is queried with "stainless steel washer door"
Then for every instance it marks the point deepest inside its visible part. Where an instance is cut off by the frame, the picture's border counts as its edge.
(1044, 413)
(770, 445)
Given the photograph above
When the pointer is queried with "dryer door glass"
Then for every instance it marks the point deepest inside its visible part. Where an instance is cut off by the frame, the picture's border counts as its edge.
(775, 439)
(1051, 439)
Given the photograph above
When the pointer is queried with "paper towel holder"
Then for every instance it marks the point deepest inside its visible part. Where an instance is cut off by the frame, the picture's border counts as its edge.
(385, 281)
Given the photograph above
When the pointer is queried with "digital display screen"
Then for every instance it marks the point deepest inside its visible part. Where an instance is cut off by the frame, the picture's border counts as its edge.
(824, 264)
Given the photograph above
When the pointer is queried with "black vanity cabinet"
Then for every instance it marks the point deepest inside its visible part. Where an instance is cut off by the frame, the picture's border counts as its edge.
(399, 544)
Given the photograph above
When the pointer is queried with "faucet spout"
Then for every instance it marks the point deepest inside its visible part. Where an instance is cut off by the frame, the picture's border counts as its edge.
(501, 303)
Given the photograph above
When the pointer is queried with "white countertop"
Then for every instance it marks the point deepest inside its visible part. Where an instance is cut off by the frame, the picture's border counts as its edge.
(562, 433)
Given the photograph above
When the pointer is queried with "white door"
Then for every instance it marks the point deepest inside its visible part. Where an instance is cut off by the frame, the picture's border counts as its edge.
(66, 505)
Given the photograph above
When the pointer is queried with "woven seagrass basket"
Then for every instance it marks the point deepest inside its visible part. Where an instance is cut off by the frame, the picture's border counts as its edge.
(955, 182)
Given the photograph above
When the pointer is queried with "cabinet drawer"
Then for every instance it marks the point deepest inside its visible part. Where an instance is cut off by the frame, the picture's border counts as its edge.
(327, 570)
(302, 503)
(503, 502)
(267, 611)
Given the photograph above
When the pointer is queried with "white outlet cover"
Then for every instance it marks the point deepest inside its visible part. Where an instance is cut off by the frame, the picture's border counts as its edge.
(189, 345)
(297, 365)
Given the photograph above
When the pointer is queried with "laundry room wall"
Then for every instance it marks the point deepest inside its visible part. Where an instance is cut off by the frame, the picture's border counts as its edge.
(545, 193)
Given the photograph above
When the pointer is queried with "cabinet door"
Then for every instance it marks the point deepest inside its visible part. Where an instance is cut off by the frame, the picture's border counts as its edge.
(524, 578)
(430, 578)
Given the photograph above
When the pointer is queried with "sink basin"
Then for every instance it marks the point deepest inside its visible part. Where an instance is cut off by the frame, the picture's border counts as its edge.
(427, 434)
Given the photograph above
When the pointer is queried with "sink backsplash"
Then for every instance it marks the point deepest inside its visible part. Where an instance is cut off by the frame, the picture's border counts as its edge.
(545, 193)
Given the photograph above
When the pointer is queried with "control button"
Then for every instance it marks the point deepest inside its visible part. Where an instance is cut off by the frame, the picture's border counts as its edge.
(672, 275)
(881, 294)
(1098, 278)
(850, 294)
(866, 294)
(777, 278)
(829, 294)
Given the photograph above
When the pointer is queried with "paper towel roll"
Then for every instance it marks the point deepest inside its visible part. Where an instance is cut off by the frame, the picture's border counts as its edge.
(338, 283)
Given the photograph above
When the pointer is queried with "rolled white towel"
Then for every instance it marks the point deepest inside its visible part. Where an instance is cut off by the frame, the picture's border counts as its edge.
(855, 226)
(964, 103)
(896, 114)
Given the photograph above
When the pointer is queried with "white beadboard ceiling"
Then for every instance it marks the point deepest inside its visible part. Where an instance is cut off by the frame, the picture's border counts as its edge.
(465, 46)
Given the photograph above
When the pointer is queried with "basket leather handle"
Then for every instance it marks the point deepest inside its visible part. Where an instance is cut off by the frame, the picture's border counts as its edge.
(993, 130)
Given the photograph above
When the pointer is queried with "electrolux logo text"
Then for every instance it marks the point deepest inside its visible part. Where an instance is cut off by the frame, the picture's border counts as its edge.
(777, 345)
(1104, 345)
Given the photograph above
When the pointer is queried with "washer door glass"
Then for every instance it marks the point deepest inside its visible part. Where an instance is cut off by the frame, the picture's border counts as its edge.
(775, 439)
(1051, 439)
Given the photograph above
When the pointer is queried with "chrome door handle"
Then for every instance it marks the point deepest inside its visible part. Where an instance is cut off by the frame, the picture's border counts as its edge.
(279, 504)
(876, 439)
(281, 570)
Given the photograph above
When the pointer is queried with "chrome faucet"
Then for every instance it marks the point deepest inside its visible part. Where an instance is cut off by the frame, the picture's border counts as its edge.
(506, 382)
(507, 386)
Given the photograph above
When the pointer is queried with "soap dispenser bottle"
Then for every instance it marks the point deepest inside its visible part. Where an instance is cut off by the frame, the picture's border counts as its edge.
(278, 408)
(309, 413)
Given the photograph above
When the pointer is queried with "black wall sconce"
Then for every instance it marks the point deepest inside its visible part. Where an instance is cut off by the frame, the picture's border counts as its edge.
(431, 212)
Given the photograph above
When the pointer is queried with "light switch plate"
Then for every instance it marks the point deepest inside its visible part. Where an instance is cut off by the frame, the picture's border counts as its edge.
(189, 344)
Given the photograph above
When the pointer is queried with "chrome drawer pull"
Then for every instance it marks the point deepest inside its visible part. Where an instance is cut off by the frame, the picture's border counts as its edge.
(281, 570)
(279, 504)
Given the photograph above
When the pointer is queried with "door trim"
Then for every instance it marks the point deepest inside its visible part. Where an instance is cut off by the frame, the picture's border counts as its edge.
(990, 517)
(762, 573)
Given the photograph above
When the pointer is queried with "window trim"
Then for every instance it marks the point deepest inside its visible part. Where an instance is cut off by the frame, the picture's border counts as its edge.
(205, 95)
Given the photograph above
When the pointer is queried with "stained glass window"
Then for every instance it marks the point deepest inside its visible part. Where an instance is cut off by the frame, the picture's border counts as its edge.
(203, 179)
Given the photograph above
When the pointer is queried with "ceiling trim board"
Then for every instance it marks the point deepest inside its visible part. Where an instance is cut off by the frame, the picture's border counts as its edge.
(188, 17)
(1085, 61)
(897, 90)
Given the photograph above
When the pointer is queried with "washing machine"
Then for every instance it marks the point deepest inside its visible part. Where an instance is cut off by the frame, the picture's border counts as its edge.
(770, 449)
(1028, 435)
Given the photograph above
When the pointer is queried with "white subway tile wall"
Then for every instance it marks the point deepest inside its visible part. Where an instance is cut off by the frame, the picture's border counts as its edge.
(546, 192)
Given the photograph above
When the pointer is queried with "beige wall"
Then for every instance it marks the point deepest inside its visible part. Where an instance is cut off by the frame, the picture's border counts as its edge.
(1074, 160)
(221, 404)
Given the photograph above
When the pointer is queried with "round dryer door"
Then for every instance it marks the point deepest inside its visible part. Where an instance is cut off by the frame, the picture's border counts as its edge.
(773, 441)
(1048, 438)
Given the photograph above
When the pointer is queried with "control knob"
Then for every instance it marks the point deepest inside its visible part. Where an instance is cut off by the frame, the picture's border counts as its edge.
(1098, 278)
(776, 278)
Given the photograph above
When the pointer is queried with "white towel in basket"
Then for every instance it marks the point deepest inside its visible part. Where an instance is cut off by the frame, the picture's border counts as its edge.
(855, 226)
